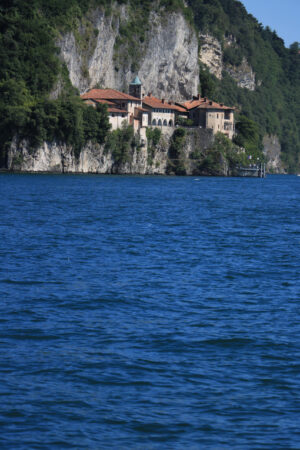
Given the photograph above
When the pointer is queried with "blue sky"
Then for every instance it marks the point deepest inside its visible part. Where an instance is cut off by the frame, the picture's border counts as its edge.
(283, 16)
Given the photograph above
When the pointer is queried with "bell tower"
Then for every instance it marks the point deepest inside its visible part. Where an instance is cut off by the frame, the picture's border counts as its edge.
(135, 88)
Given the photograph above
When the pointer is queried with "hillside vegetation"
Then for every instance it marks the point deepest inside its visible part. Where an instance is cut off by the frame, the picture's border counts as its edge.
(275, 103)
(30, 69)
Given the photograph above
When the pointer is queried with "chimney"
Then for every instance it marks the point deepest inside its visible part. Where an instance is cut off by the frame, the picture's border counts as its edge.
(210, 102)
(199, 97)
(205, 99)
(149, 95)
(221, 104)
(170, 103)
(163, 100)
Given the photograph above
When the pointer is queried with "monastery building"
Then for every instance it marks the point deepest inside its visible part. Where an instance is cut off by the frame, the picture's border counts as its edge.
(142, 111)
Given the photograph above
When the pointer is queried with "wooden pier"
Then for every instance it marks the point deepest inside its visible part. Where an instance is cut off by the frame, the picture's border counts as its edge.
(256, 171)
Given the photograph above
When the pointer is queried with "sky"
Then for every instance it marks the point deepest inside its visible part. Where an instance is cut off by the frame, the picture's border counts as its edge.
(283, 16)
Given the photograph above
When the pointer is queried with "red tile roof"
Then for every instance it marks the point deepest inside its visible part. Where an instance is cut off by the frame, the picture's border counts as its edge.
(105, 102)
(108, 94)
(117, 110)
(138, 108)
(138, 111)
(204, 103)
(154, 102)
(180, 108)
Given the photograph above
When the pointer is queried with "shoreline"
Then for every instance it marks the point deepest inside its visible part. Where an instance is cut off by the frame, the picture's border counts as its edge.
(20, 172)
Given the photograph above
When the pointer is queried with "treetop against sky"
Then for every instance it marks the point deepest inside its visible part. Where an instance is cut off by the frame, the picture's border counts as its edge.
(281, 16)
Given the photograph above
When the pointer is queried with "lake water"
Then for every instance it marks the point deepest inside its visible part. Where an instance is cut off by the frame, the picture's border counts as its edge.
(149, 312)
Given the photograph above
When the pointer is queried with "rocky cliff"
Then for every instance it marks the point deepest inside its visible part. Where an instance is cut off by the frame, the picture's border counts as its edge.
(55, 158)
(166, 62)
(272, 151)
(54, 45)
(211, 54)
(242, 74)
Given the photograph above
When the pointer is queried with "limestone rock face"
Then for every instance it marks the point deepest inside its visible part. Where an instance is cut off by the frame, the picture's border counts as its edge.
(167, 61)
(243, 75)
(99, 63)
(168, 66)
(46, 158)
(272, 150)
(72, 58)
(55, 158)
(211, 54)
(94, 158)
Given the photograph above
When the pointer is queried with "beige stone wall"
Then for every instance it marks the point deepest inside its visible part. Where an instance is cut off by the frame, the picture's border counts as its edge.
(162, 118)
(216, 121)
(136, 125)
(143, 137)
(132, 104)
(229, 127)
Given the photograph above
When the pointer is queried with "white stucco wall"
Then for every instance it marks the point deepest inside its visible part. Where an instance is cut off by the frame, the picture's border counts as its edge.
(116, 120)
(145, 120)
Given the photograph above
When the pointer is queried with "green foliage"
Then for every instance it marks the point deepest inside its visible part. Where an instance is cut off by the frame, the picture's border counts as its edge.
(68, 122)
(96, 124)
(184, 122)
(233, 56)
(120, 142)
(207, 82)
(30, 68)
(274, 105)
(27, 49)
(153, 138)
(176, 162)
(221, 152)
(15, 105)
(248, 136)
(28, 72)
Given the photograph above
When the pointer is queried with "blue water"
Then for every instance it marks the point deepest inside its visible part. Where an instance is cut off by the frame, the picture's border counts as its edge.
(149, 312)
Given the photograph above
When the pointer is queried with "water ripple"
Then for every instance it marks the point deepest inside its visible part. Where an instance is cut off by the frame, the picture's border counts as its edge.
(149, 312)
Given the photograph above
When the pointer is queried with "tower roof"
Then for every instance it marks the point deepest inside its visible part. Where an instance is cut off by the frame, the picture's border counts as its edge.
(136, 81)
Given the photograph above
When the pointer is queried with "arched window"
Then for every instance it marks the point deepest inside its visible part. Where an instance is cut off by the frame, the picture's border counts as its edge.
(170, 123)
(159, 123)
(165, 123)
(154, 122)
